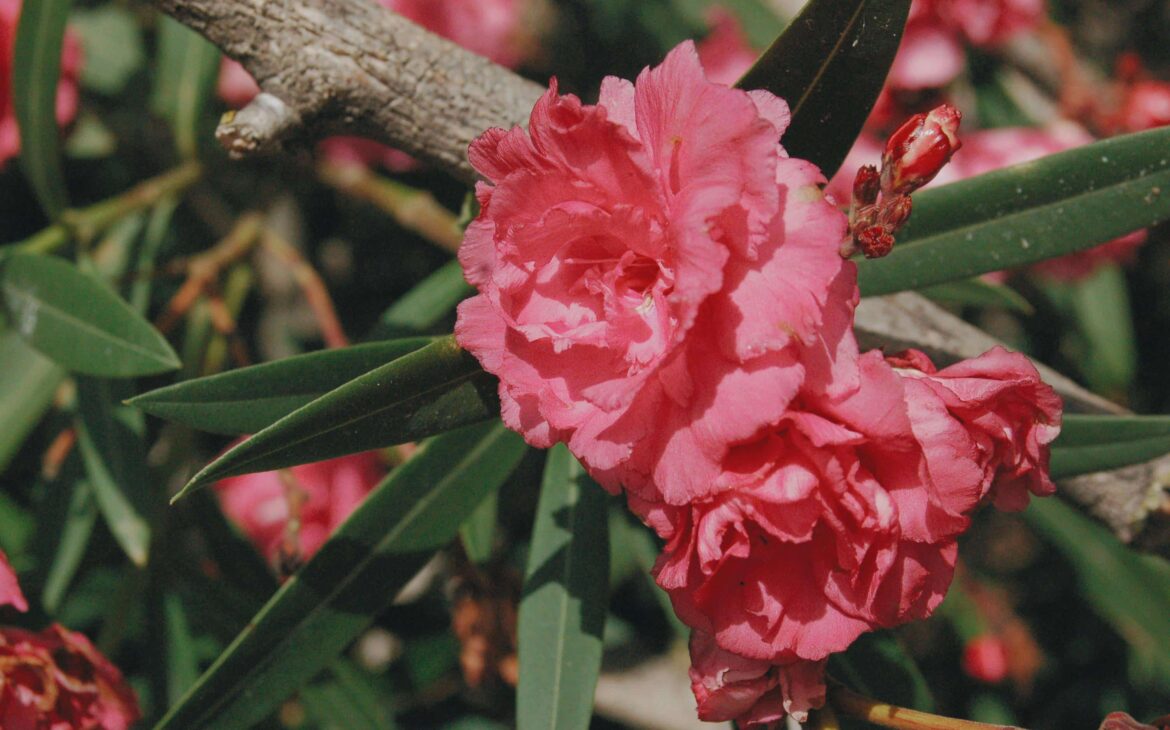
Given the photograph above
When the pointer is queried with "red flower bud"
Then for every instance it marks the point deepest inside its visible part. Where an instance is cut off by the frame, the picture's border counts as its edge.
(918, 150)
(874, 241)
(866, 186)
(985, 658)
(895, 212)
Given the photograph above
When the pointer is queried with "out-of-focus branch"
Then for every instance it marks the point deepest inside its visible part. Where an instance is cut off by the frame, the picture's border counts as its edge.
(351, 67)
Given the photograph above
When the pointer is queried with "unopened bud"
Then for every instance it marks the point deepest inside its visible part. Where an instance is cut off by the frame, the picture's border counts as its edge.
(874, 241)
(895, 212)
(866, 186)
(918, 150)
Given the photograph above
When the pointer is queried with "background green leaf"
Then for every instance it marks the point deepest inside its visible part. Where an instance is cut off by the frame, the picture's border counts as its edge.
(112, 44)
(250, 399)
(562, 612)
(77, 321)
(37, 67)
(1090, 444)
(355, 575)
(1026, 213)
(427, 304)
(26, 391)
(429, 391)
(877, 666)
(187, 68)
(830, 65)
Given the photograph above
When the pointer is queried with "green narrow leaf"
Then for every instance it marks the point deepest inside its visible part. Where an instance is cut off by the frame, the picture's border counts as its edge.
(978, 293)
(1094, 443)
(26, 391)
(427, 304)
(830, 65)
(478, 532)
(345, 701)
(72, 514)
(77, 321)
(1101, 307)
(186, 71)
(182, 655)
(562, 612)
(429, 391)
(40, 36)
(16, 527)
(109, 438)
(1127, 589)
(1026, 213)
(250, 399)
(112, 43)
(876, 665)
(351, 579)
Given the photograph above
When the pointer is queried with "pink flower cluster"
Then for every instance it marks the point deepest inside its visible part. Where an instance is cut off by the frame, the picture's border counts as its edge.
(67, 92)
(660, 288)
(56, 679)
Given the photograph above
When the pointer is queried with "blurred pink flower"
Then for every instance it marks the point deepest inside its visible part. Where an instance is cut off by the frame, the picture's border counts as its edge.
(932, 51)
(650, 272)
(1144, 105)
(326, 492)
(57, 680)
(491, 28)
(68, 95)
(725, 52)
(10, 594)
(752, 693)
(985, 658)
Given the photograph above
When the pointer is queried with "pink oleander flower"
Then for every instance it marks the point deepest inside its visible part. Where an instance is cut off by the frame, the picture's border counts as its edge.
(751, 692)
(986, 659)
(57, 680)
(68, 96)
(932, 51)
(651, 271)
(725, 53)
(10, 594)
(492, 28)
(325, 494)
(860, 497)
(1009, 414)
(1144, 105)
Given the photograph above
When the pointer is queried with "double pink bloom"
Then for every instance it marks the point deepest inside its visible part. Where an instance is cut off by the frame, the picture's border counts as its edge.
(660, 288)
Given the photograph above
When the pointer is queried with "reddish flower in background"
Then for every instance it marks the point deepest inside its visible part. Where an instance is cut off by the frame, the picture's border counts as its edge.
(325, 493)
(725, 53)
(751, 692)
(10, 594)
(986, 658)
(67, 91)
(650, 272)
(57, 680)
(1144, 105)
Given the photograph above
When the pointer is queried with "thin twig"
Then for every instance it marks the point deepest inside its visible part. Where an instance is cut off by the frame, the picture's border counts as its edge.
(311, 283)
(849, 703)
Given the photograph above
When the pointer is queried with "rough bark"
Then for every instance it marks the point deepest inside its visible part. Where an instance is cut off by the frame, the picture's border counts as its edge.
(349, 66)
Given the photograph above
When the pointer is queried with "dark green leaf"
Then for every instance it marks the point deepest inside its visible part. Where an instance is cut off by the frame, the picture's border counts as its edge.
(427, 304)
(345, 700)
(182, 657)
(1026, 213)
(562, 612)
(830, 65)
(65, 522)
(112, 44)
(39, 39)
(876, 665)
(26, 390)
(77, 321)
(978, 293)
(187, 68)
(429, 391)
(1090, 444)
(478, 532)
(109, 438)
(1127, 589)
(1100, 304)
(250, 399)
(351, 579)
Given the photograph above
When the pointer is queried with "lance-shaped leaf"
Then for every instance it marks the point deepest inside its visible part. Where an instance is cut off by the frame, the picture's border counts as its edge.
(1022, 214)
(187, 67)
(830, 65)
(351, 579)
(427, 304)
(37, 68)
(77, 321)
(250, 399)
(429, 391)
(1090, 444)
(562, 613)
(26, 390)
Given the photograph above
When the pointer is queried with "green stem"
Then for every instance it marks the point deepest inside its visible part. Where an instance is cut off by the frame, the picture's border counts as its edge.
(83, 224)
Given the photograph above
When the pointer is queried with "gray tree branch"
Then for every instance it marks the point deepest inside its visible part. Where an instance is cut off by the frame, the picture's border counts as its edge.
(352, 67)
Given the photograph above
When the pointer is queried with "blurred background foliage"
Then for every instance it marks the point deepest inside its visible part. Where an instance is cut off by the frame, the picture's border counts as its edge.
(1080, 624)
